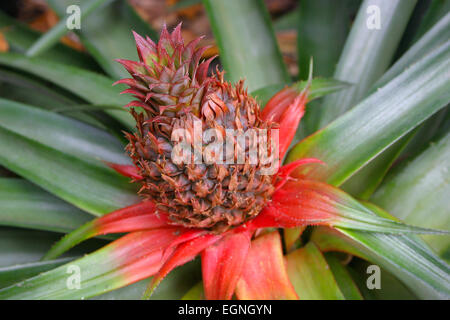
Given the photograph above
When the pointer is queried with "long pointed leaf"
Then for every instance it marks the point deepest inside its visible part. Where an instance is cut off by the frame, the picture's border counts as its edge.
(343, 278)
(12, 274)
(92, 87)
(364, 182)
(61, 133)
(25, 89)
(311, 275)
(405, 256)
(418, 194)
(323, 41)
(21, 246)
(409, 260)
(437, 10)
(355, 138)
(118, 18)
(24, 205)
(435, 37)
(379, 43)
(90, 187)
(247, 44)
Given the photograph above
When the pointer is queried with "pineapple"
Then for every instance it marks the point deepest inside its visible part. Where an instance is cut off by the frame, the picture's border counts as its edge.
(175, 92)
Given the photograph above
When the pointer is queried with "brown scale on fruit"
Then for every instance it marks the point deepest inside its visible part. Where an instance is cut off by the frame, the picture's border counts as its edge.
(174, 91)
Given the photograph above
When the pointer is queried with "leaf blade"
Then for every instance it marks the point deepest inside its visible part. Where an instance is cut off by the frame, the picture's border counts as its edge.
(119, 19)
(92, 188)
(243, 53)
(355, 138)
(64, 134)
(93, 87)
(379, 44)
(311, 275)
(418, 192)
(24, 205)
(51, 37)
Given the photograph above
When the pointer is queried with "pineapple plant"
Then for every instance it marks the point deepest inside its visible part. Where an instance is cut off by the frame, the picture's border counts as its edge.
(360, 156)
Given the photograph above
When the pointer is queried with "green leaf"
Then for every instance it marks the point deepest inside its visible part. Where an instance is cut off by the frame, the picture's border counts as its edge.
(435, 37)
(331, 240)
(411, 28)
(106, 33)
(12, 274)
(311, 276)
(437, 10)
(355, 138)
(409, 260)
(22, 204)
(84, 107)
(26, 89)
(93, 188)
(428, 132)
(247, 44)
(46, 98)
(322, 41)
(319, 87)
(61, 133)
(367, 53)
(291, 238)
(418, 193)
(405, 256)
(21, 246)
(20, 38)
(364, 182)
(51, 37)
(391, 287)
(92, 87)
(195, 293)
(343, 278)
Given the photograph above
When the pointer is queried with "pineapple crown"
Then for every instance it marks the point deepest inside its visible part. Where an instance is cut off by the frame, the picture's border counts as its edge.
(168, 73)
